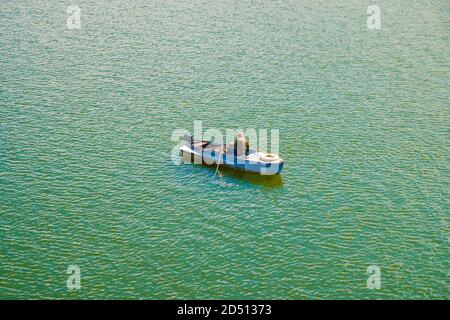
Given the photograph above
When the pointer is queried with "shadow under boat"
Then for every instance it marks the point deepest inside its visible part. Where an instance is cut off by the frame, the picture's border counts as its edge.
(269, 181)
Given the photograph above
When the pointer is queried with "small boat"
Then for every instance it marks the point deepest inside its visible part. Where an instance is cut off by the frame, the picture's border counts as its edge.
(202, 151)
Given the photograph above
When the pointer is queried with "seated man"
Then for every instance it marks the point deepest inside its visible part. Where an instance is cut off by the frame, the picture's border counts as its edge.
(241, 145)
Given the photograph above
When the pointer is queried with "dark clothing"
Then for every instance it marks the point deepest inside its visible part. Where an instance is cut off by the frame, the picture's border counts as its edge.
(247, 147)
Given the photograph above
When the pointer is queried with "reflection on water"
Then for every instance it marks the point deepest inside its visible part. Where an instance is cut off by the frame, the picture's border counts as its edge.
(272, 181)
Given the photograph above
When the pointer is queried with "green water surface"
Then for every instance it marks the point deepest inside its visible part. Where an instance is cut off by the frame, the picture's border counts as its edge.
(86, 177)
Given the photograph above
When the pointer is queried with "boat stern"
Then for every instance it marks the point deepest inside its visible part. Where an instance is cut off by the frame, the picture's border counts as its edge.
(271, 168)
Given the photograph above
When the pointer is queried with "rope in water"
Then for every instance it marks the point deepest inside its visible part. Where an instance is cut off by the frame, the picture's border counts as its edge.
(222, 149)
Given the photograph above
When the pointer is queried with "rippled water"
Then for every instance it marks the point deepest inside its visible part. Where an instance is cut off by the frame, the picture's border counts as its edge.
(86, 177)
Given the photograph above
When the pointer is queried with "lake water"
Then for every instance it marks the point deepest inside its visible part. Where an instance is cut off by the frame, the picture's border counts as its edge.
(86, 178)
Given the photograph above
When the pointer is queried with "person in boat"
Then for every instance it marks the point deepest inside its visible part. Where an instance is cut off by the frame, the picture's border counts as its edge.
(241, 145)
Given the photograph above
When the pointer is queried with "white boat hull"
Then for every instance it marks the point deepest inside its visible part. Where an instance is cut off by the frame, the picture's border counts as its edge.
(249, 163)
